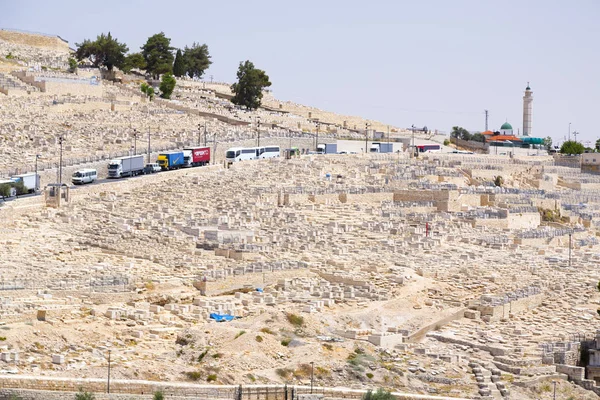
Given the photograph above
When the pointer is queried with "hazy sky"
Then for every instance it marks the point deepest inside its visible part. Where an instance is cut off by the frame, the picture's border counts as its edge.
(435, 63)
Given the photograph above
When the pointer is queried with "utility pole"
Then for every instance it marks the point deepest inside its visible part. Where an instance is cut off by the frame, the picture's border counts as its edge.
(312, 367)
(60, 142)
(37, 178)
(199, 134)
(205, 132)
(486, 119)
(135, 142)
(388, 133)
(575, 133)
(554, 383)
(413, 140)
(570, 242)
(108, 382)
(257, 131)
(366, 136)
(317, 141)
(569, 131)
(214, 155)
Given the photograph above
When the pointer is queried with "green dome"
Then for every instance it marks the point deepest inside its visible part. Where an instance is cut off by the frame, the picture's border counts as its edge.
(506, 126)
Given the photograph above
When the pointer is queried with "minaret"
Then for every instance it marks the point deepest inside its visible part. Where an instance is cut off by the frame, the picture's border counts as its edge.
(527, 111)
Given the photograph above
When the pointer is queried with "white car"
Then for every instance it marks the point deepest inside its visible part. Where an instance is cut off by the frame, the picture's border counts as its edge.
(152, 168)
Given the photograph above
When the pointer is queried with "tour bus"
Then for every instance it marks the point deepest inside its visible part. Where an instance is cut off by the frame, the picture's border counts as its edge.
(236, 154)
(429, 148)
(269, 152)
(84, 176)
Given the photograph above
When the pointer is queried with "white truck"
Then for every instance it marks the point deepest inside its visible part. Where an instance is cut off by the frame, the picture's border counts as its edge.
(30, 180)
(126, 166)
(378, 147)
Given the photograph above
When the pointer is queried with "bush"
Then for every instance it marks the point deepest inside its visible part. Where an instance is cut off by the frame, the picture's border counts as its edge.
(84, 396)
(202, 355)
(159, 395)
(295, 320)
(270, 332)
(259, 339)
(217, 355)
(9, 56)
(193, 375)
(285, 342)
(380, 394)
(498, 181)
(167, 85)
(211, 378)
(446, 142)
(369, 375)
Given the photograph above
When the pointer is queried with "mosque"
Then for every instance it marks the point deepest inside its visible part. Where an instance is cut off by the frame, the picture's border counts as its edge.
(505, 136)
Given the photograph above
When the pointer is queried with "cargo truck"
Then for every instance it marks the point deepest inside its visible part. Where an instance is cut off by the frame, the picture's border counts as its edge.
(196, 156)
(377, 147)
(171, 160)
(126, 166)
(31, 181)
(327, 148)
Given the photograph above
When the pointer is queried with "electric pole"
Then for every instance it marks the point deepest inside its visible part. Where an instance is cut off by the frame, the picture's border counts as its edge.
(135, 142)
(60, 142)
(257, 131)
(205, 132)
(575, 133)
(149, 145)
(366, 136)
(317, 141)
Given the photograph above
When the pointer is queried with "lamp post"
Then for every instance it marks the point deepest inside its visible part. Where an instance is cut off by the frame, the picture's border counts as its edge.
(199, 125)
(205, 132)
(108, 381)
(569, 131)
(312, 367)
(60, 142)
(37, 178)
(570, 241)
(317, 138)
(554, 383)
(149, 145)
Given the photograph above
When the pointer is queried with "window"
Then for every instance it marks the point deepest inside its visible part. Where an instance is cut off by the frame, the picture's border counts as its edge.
(248, 151)
(272, 149)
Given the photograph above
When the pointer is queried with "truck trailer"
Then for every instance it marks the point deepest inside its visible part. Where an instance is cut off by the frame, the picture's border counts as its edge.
(171, 160)
(196, 156)
(378, 147)
(126, 166)
(30, 180)
(327, 148)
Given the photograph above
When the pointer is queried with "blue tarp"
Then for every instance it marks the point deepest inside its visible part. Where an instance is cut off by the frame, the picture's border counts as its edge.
(259, 290)
(221, 317)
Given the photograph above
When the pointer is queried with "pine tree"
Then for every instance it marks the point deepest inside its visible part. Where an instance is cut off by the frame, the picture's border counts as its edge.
(248, 89)
(179, 67)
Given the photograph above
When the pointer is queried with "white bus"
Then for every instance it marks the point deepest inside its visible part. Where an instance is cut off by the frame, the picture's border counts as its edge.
(236, 154)
(429, 148)
(84, 176)
(270, 152)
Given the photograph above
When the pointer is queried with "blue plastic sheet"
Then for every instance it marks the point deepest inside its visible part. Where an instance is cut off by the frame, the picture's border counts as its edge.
(221, 317)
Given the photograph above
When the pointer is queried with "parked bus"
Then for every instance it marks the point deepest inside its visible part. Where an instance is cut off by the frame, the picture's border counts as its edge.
(270, 152)
(236, 154)
(84, 176)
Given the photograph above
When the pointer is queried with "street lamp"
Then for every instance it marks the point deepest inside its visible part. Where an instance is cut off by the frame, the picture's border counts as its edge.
(317, 141)
(569, 131)
(108, 382)
(205, 132)
(37, 178)
(554, 383)
(258, 131)
(199, 125)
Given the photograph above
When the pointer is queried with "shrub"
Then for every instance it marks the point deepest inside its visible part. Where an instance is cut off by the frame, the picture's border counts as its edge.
(202, 355)
(84, 395)
(369, 375)
(283, 372)
(240, 333)
(498, 181)
(380, 394)
(328, 346)
(446, 142)
(211, 378)
(295, 320)
(259, 339)
(217, 355)
(270, 332)
(2, 338)
(149, 285)
(285, 342)
(545, 387)
(193, 375)
(158, 395)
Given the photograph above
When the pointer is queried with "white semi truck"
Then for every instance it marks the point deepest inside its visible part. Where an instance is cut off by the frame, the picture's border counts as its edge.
(126, 166)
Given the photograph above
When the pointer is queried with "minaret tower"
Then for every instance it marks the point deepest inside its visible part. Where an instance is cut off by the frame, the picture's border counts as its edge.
(527, 111)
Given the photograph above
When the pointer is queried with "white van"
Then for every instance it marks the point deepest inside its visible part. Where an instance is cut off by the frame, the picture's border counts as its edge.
(84, 176)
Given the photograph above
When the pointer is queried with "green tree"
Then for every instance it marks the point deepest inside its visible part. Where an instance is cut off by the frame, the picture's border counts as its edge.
(167, 85)
(158, 54)
(72, 65)
(572, 147)
(5, 190)
(158, 395)
(459, 132)
(197, 60)
(104, 51)
(548, 143)
(478, 137)
(147, 90)
(597, 145)
(248, 89)
(380, 394)
(179, 67)
(134, 60)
